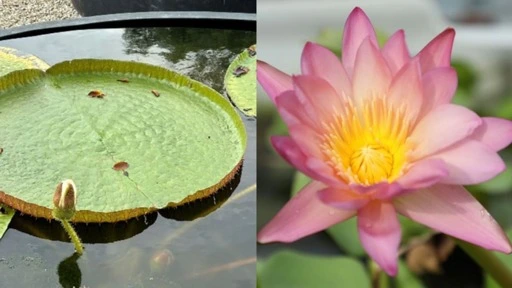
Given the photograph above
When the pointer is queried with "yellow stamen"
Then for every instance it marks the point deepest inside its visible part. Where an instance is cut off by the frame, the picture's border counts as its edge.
(366, 145)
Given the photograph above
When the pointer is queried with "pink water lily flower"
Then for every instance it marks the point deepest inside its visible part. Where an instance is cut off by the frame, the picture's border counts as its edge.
(377, 134)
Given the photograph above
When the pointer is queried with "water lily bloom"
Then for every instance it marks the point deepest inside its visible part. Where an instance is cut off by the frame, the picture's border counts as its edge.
(377, 134)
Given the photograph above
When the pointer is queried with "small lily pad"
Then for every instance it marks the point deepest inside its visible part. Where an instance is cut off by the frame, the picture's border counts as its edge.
(240, 81)
(6, 215)
(12, 60)
(52, 130)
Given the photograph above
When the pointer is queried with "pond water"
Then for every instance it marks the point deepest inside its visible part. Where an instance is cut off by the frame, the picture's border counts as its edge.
(208, 244)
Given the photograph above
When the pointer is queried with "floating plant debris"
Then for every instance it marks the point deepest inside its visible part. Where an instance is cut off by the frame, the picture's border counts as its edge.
(156, 93)
(124, 80)
(1, 151)
(96, 94)
(240, 70)
(252, 51)
(121, 166)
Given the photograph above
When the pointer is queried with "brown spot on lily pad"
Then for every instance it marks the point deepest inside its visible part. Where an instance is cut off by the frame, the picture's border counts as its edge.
(156, 93)
(96, 94)
(121, 166)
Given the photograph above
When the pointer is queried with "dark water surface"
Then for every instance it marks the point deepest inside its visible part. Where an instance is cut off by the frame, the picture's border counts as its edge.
(213, 242)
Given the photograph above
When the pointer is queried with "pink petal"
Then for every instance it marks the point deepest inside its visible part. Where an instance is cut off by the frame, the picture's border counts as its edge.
(273, 81)
(321, 62)
(292, 111)
(439, 85)
(495, 132)
(290, 152)
(318, 94)
(342, 198)
(406, 89)
(321, 171)
(303, 215)
(312, 167)
(470, 162)
(442, 127)
(371, 74)
(379, 190)
(395, 51)
(423, 173)
(379, 231)
(357, 28)
(438, 52)
(452, 210)
(307, 140)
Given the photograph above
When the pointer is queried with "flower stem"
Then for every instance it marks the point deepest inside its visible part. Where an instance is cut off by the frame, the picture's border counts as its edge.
(73, 236)
(489, 263)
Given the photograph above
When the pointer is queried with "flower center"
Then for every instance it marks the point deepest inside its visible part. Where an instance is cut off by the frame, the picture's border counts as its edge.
(366, 145)
(372, 162)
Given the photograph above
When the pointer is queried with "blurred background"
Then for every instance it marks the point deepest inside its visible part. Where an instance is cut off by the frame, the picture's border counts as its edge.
(481, 56)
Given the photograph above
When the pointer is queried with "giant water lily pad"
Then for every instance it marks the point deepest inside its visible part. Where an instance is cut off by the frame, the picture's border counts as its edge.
(240, 81)
(12, 60)
(180, 146)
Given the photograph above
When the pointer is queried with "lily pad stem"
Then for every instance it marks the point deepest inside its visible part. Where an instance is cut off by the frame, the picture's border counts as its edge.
(489, 263)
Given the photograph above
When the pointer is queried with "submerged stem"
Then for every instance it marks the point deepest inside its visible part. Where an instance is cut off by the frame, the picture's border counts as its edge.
(489, 263)
(73, 236)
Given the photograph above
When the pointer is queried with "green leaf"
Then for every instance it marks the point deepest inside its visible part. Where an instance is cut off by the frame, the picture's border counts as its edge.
(242, 89)
(180, 146)
(298, 270)
(406, 279)
(6, 215)
(12, 60)
(506, 259)
(344, 233)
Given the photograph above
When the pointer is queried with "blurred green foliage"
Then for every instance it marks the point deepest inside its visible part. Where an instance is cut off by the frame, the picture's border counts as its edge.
(507, 260)
(298, 270)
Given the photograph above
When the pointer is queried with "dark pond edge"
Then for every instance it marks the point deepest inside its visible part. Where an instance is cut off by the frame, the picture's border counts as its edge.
(214, 20)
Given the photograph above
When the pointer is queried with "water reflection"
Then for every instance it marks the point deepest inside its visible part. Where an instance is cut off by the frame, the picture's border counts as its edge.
(185, 52)
(69, 273)
(89, 233)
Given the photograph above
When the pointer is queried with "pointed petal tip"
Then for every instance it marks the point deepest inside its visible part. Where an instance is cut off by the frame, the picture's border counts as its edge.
(264, 237)
(357, 11)
(273, 80)
(391, 269)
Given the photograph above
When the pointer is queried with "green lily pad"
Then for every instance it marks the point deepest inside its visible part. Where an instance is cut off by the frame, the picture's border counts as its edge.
(181, 145)
(242, 88)
(12, 60)
(6, 215)
(298, 270)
